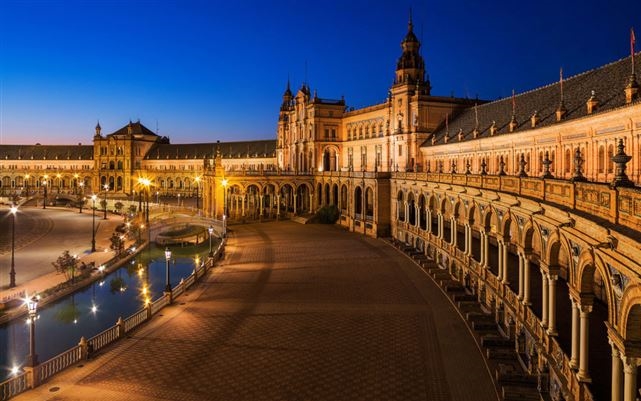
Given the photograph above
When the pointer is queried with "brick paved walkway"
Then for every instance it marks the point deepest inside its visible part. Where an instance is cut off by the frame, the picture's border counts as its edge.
(295, 313)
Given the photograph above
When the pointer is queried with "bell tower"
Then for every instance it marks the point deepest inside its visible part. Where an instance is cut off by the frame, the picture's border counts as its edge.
(410, 67)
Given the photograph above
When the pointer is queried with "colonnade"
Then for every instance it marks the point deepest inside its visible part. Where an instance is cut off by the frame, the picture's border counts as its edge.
(624, 369)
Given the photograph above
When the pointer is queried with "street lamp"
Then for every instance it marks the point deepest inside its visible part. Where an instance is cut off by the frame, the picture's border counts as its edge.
(26, 183)
(211, 231)
(197, 187)
(93, 224)
(106, 187)
(32, 308)
(224, 183)
(12, 273)
(167, 282)
(44, 182)
(82, 195)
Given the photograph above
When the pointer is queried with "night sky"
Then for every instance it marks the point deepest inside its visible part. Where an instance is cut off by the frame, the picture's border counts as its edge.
(201, 71)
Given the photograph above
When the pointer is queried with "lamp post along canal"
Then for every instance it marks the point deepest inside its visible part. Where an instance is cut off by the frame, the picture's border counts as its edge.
(44, 202)
(167, 279)
(197, 197)
(106, 189)
(224, 183)
(32, 308)
(210, 230)
(93, 224)
(12, 273)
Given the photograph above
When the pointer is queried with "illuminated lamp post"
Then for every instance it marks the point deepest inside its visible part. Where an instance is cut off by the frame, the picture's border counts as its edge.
(106, 187)
(82, 196)
(44, 182)
(224, 182)
(93, 224)
(32, 308)
(167, 279)
(211, 232)
(197, 187)
(12, 273)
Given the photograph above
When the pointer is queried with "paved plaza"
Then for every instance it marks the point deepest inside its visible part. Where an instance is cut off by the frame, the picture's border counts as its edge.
(41, 236)
(295, 312)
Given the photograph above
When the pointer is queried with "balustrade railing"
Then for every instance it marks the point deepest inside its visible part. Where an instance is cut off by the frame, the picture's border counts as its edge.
(58, 363)
(136, 320)
(13, 386)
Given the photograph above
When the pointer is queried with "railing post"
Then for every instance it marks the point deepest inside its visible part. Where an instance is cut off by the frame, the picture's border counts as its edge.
(31, 373)
(121, 328)
(84, 351)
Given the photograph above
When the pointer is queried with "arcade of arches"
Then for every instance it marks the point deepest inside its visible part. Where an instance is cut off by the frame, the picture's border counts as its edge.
(564, 289)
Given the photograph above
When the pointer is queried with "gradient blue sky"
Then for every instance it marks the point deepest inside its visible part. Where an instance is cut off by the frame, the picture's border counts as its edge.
(202, 71)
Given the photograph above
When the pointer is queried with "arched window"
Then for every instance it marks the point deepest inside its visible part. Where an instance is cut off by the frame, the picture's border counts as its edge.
(601, 160)
(400, 204)
(358, 200)
(609, 162)
(343, 204)
(369, 203)
(119, 164)
(540, 161)
(112, 165)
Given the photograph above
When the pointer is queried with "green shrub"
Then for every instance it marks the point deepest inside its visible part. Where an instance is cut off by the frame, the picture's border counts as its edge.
(327, 214)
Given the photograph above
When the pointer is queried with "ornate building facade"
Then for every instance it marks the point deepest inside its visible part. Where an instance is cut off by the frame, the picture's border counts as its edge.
(528, 203)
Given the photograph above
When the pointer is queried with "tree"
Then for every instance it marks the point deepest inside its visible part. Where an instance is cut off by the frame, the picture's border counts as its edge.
(117, 243)
(66, 264)
(118, 206)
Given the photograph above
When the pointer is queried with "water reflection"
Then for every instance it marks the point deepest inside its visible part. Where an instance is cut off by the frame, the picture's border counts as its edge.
(97, 307)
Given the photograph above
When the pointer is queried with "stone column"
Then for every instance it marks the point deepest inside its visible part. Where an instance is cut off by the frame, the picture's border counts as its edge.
(630, 379)
(505, 264)
(277, 206)
(521, 275)
(453, 231)
(584, 316)
(260, 206)
(500, 258)
(486, 248)
(295, 196)
(427, 220)
(467, 238)
(526, 280)
(545, 297)
(552, 305)
(242, 205)
(406, 209)
(617, 378)
(439, 221)
(574, 358)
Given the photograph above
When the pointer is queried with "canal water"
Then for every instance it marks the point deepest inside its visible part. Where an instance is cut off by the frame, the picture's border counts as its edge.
(93, 309)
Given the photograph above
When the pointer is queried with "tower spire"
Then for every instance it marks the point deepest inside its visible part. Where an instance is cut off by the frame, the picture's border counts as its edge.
(410, 67)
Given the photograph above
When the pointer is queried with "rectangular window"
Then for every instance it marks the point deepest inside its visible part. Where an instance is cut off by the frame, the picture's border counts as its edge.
(400, 150)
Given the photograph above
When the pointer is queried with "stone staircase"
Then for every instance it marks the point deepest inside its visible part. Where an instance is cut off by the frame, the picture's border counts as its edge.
(511, 381)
